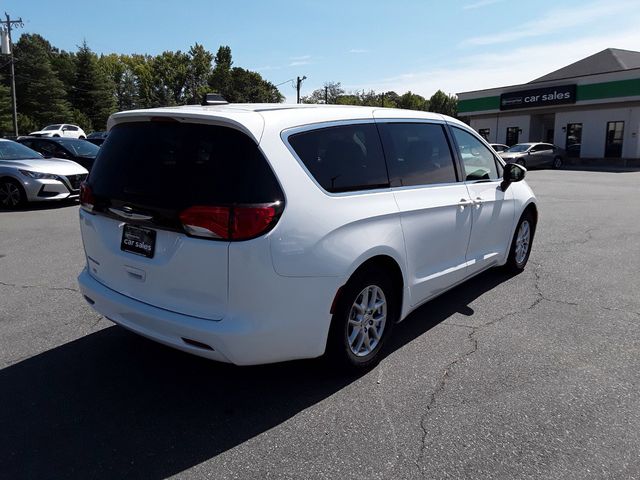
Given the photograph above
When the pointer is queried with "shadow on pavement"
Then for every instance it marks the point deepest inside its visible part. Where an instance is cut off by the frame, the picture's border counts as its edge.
(114, 405)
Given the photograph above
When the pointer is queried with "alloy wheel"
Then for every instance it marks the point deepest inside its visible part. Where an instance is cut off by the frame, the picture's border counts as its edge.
(367, 320)
(522, 241)
(10, 195)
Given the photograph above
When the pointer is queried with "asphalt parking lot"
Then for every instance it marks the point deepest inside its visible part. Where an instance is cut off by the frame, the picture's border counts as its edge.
(532, 376)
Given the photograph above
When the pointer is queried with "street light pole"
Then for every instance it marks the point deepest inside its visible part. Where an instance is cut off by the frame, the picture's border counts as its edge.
(298, 84)
(8, 23)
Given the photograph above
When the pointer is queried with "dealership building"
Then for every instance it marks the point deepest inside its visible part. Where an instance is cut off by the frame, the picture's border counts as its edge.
(591, 108)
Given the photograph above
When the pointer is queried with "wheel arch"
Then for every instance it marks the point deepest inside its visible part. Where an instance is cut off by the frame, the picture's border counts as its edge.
(388, 262)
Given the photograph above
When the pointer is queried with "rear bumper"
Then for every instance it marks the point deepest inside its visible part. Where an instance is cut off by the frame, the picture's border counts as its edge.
(248, 337)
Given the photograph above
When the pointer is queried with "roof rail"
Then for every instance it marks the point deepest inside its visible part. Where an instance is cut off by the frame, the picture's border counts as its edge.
(214, 99)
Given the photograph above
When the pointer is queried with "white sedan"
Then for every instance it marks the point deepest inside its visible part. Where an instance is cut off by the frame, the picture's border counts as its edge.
(60, 130)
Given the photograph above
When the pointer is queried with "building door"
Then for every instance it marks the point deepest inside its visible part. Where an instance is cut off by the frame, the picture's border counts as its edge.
(613, 144)
(574, 140)
(512, 135)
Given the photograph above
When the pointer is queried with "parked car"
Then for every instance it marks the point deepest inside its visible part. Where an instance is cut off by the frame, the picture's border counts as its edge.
(253, 234)
(534, 155)
(60, 130)
(25, 176)
(80, 151)
(499, 147)
(97, 138)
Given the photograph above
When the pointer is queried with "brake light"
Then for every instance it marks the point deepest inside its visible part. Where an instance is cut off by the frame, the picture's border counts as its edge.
(87, 200)
(230, 222)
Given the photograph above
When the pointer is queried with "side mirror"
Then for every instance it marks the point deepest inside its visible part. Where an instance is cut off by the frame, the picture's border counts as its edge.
(513, 172)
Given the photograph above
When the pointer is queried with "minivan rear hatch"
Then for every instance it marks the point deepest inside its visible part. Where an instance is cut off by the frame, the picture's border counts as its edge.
(162, 203)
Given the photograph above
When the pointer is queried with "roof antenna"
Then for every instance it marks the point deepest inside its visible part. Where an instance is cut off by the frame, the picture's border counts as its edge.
(214, 99)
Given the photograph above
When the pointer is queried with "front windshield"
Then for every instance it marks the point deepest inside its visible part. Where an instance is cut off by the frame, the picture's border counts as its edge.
(521, 147)
(16, 151)
(52, 127)
(81, 148)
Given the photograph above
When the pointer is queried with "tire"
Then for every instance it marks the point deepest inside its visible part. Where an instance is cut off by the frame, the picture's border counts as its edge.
(81, 137)
(357, 343)
(56, 136)
(522, 161)
(557, 162)
(522, 238)
(12, 194)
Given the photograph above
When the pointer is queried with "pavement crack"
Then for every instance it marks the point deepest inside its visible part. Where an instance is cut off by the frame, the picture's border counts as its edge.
(385, 409)
(14, 285)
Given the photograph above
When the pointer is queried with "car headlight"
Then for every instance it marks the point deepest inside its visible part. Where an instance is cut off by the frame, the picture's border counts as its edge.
(39, 175)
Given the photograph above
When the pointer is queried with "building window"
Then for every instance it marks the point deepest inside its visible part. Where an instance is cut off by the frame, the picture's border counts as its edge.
(613, 144)
(574, 140)
(512, 135)
(484, 133)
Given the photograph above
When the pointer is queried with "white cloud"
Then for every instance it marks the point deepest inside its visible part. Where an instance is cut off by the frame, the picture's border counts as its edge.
(300, 58)
(556, 20)
(358, 50)
(479, 4)
(510, 67)
(297, 63)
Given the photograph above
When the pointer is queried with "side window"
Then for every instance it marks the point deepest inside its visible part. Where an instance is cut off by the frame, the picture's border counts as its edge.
(479, 162)
(45, 147)
(417, 154)
(342, 159)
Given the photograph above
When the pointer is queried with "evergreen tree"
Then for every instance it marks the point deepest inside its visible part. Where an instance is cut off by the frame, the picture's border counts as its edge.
(92, 92)
(41, 97)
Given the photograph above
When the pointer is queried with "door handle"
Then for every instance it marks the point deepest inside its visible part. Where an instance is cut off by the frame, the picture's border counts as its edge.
(463, 202)
(478, 202)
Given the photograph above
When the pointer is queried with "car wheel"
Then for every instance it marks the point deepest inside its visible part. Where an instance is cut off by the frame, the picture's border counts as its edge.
(56, 135)
(521, 243)
(11, 194)
(557, 162)
(81, 137)
(522, 161)
(367, 309)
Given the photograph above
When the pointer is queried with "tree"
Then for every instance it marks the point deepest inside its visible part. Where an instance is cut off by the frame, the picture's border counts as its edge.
(122, 79)
(440, 102)
(220, 78)
(413, 101)
(6, 115)
(238, 84)
(198, 73)
(92, 92)
(332, 90)
(41, 96)
(170, 71)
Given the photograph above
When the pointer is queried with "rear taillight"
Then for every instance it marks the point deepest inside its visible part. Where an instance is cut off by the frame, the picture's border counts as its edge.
(230, 222)
(87, 201)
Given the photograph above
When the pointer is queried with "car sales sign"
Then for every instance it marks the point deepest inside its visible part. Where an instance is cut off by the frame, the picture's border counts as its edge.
(539, 97)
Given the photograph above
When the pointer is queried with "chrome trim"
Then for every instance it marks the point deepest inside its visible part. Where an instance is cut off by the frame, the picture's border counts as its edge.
(130, 215)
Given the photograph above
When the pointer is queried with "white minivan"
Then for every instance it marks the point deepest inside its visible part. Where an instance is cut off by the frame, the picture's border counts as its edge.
(251, 233)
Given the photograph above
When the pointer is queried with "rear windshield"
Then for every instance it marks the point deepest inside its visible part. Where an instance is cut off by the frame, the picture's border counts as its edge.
(176, 165)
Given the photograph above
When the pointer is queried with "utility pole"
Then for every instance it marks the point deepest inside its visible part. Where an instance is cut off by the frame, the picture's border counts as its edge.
(326, 95)
(298, 84)
(7, 24)
(382, 99)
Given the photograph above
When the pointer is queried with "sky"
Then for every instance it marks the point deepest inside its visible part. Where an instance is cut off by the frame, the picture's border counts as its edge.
(400, 45)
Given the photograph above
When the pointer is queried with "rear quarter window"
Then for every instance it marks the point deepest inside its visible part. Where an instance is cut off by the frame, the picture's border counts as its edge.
(343, 158)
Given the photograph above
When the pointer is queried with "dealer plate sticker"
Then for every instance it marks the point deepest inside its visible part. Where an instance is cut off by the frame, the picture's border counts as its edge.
(138, 240)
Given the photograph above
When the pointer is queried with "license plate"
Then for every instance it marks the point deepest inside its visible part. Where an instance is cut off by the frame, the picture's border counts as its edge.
(138, 240)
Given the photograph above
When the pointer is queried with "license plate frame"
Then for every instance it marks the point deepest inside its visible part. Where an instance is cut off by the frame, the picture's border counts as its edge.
(138, 240)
